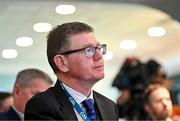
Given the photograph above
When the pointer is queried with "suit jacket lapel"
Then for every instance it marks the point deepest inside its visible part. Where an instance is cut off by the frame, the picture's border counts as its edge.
(12, 114)
(102, 107)
(66, 107)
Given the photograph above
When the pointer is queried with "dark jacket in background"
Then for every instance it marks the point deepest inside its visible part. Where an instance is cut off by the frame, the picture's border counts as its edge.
(9, 115)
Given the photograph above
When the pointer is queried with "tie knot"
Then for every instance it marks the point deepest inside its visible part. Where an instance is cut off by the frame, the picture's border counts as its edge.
(89, 105)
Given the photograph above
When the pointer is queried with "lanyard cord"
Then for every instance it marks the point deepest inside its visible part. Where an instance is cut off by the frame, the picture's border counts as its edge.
(75, 105)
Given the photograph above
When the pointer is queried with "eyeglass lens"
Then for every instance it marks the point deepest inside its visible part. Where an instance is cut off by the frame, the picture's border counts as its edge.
(91, 51)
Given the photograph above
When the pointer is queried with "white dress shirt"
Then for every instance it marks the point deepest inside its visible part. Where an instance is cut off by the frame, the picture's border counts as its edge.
(79, 98)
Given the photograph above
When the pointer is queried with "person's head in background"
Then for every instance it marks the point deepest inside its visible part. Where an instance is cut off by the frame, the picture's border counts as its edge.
(158, 103)
(6, 100)
(122, 81)
(130, 67)
(154, 71)
(75, 55)
(28, 83)
(156, 74)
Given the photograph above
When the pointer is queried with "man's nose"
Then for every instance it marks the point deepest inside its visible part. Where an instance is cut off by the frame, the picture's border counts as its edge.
(165, 102)
(98, 54)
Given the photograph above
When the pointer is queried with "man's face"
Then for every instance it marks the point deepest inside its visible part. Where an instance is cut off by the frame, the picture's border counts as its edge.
(160, 105)
(22, 95)
(81, 67)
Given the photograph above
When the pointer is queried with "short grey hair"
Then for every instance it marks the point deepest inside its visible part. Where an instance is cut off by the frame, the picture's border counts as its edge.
(25, 77)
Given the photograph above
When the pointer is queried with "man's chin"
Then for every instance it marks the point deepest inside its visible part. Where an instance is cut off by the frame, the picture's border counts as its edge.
(102, 76)
(99, 77)
(164, 115)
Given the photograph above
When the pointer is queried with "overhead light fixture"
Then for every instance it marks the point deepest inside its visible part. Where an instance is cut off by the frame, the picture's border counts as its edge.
(9, 53)
(108, 56)
(24, 41)
(65, 9)
(42, 27)
(128, 44)
(156, 31)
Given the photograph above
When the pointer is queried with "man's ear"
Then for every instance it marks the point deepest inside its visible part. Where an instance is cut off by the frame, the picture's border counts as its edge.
(147, 108)
(61, 63)
(16, 91)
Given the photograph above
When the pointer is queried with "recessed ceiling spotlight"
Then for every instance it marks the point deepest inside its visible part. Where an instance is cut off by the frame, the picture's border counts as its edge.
(9, 53)
(42, 27)
(128, 44)
(156, 31)
(24, 41)
(65, 9)
(108, 56)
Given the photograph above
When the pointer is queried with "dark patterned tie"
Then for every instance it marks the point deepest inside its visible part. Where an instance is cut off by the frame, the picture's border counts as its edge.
(88, 104)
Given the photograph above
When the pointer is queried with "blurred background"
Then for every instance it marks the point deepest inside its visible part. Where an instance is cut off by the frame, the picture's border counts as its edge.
(147, 29)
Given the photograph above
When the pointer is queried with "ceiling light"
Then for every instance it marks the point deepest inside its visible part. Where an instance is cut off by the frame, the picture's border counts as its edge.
(128, 44)
(156, 31)
(9, 53)
(65, 9)
(108, 56)
(42, 27)
(24, 41)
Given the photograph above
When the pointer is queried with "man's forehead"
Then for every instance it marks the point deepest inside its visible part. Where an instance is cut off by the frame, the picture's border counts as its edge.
(83, 40)
(159, 93)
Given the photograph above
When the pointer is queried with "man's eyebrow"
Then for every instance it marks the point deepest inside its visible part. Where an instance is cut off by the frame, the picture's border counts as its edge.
(87, 45)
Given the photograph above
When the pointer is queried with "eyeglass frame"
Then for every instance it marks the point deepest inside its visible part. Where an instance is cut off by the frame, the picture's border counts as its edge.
(99, 46)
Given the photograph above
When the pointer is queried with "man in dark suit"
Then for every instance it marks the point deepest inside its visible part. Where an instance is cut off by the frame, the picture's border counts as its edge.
(76, 58)
(28, 83)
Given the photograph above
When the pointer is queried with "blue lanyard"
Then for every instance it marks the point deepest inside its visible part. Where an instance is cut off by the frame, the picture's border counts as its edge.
(75, 105)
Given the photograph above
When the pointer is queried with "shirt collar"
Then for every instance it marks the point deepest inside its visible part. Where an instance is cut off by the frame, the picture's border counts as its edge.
(78, 97)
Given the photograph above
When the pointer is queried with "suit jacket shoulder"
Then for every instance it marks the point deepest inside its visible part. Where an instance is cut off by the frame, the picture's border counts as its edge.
(50, 105)
(9, 115)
